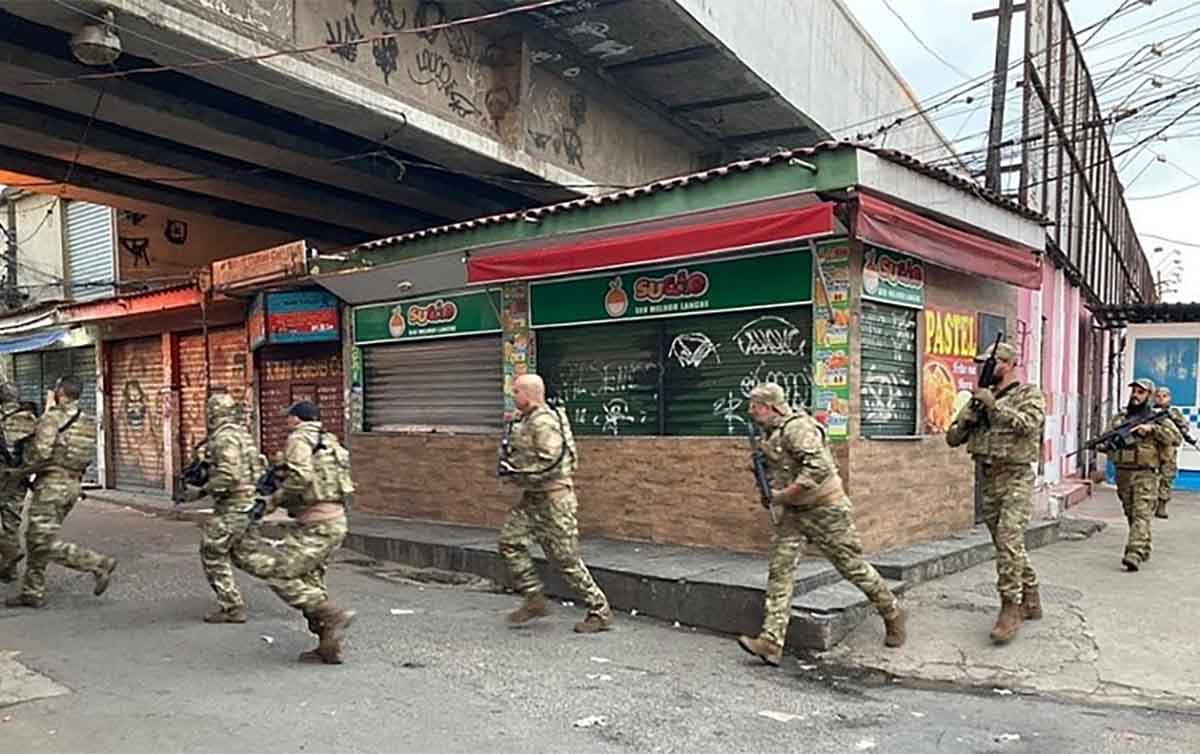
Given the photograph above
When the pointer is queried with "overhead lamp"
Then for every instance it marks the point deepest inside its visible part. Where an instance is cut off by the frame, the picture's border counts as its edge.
(97, 44)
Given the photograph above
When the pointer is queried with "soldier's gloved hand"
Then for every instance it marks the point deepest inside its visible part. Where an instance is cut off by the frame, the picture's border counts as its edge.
(986, 398)
(1142, 430)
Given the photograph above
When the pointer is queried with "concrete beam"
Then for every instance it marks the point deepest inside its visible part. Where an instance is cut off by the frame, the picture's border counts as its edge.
(171, 106)
(51, 169)
(34, 128)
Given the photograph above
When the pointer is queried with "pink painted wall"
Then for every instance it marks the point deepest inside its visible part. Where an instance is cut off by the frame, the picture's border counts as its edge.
(1064, 312)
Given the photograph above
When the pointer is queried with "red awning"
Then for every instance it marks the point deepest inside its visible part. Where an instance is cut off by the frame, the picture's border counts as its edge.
(657, 245)
(899, 229)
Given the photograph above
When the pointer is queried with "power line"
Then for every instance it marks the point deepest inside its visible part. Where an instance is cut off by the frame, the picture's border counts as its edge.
(922, 42)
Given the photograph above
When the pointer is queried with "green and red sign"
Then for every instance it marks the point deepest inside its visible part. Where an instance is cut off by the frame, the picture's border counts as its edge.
(893, 278)
(772, 279)
(430, 317)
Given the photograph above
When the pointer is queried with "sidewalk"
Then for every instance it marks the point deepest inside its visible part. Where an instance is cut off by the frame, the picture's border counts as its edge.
(710, 589)
(1107, 637)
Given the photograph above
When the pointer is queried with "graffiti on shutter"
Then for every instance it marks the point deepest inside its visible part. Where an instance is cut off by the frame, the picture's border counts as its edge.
(136, 413)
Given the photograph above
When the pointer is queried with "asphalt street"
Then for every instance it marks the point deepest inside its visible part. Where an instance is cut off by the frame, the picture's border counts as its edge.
(434, 668)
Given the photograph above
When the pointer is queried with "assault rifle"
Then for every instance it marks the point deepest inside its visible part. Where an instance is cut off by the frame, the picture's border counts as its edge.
(987, 378)
(759, 459)
(194, 474)
(266, 486)
(503, 468)
(1121, 436)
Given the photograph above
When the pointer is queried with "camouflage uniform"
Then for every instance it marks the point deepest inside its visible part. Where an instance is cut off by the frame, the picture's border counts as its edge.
(544, 458)
(1168, 467)
(1137, 481)
(797, 453)
(234, 466)
(1006, 444)
(17, 423)
(312, 482)
(59, 454)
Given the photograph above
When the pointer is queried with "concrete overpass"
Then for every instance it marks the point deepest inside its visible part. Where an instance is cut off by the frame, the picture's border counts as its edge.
(372, 135)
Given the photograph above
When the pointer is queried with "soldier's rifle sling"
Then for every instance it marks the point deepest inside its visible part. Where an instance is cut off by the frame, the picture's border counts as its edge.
(562, 451)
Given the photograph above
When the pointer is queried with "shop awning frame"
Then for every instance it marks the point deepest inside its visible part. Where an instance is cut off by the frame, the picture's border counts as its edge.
(894, 227)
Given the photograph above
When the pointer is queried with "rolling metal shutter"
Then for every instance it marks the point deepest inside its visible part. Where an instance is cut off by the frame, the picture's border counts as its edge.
(136, 413)
(27, 372)
(455, 383)
(287, 374)
(889, 370)
(91, 246)
(227, 354)
(36, 373)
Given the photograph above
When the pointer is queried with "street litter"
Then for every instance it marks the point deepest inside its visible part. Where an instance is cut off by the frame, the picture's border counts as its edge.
(400, 611)
(1005, 738)
(779, 717)
(633, 613)
(601, 659)
(268, 639)
(1003, 692)
(918, 714)
(568, 603)
(865, 745)
(599, 677)
(592, 721)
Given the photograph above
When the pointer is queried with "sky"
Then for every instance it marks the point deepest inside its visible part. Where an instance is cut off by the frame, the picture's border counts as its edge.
(960, 49)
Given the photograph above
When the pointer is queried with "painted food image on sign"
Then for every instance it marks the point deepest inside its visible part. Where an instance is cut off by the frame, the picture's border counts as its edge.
(948, 378)
(831, 331)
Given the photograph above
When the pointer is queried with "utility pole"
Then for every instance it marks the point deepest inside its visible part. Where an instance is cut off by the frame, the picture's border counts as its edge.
(1005, 13)
(10, 284)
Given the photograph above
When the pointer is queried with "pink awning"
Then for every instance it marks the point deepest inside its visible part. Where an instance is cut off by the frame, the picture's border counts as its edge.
(899, 229)
(658, 245)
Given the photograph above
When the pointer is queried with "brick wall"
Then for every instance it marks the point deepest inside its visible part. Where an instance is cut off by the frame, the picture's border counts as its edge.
(685, 491)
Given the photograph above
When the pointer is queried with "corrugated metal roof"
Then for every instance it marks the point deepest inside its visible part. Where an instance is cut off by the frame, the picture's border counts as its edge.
(1117, 316)
(175, 297)
(683, 181)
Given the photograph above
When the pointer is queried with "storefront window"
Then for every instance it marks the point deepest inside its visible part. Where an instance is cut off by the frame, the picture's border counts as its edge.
(889, 370)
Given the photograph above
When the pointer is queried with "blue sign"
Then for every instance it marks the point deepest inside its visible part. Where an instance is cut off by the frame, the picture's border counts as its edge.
(1170, 362)
(302, 317)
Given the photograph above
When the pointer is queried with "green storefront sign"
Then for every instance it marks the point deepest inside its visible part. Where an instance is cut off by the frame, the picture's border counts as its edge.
(773, 279)
(893, 278)
(429, 317)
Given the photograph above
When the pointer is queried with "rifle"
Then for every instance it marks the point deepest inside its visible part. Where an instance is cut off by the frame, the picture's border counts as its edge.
(264, 488)
(987, 378)
(1121, 436)
(502, 467)
(195, 474)
(759, 458)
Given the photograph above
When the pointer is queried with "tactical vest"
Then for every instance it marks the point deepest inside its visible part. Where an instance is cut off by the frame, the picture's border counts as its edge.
(332, 480)
(17, 424)
(253, 463)
(542, 474)
(999, 443)
(786, 463)
(1143, 454)
(75, 442)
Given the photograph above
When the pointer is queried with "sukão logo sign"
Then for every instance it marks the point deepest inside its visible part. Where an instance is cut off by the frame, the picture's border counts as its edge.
(673, 286)
(438, 313)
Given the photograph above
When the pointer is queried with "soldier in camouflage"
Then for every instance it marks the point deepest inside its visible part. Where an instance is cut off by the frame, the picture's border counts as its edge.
(16, 422)
(1137, 470)
(811, 504)
(62, 447)
(1002, 428)
(315, 489)
(234, 466)
(1168, 467)
(542, 462)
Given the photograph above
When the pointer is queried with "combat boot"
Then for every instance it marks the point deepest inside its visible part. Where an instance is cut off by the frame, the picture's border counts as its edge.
(1031, 603)
(331, 621)
(895, 625)
(24, 600)
(1007, 622)
(8, 574)
(1161, 511)
(594, 623)
(762, 648)
(104, 575)
(534, 607)
(221, 615)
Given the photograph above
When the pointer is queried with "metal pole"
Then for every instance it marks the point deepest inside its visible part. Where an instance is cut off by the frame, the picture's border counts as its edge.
(11, 267)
